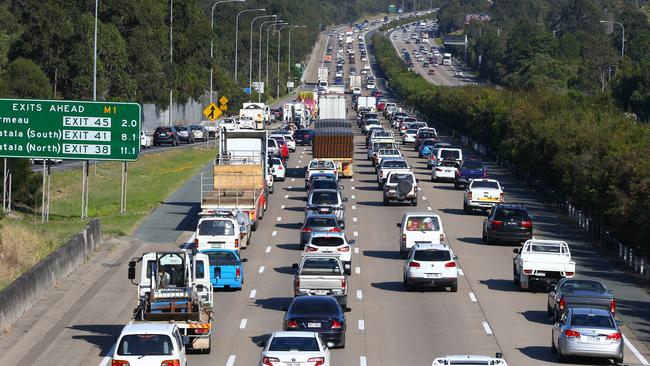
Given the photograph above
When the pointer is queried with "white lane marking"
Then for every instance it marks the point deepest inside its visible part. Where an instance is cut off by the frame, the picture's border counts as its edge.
(354, 197)
(293, 179)
(290, 187)
(354, 207)
(472, 297)
(357, 270)
(261, 270)
(279, 218)
(460, 272)
(268, 249)
(297, 166)
(362, 361)
(231, 360)
(354, 219)
(252, 294)
(487, 328)
(424, 198)
(428, 208)
(242, 324)
(274, 233)
(353, 188)
(636, 352)
(356, 250)
(286, 196)
(282, 207)
(362, 325)
(351, 179)
(108, 359)
(359, 294)
(356, 233)
(299, 161)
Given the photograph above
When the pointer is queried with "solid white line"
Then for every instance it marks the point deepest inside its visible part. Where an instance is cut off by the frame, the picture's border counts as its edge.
(279, 218)
(107, 359)
(354, 219)
(487, 328)
(282, 207)
(286, 196)
(428, 208)
(354, 207)
(636, 352)
(424, 198)
(460, 272)
(362, 325)
(359, 294)
(274, 233)
(252, 294)
(356, 233)
(231, 360)
(242, 324)
(261, 270)
(362, 361)
(268, 249)
(472, 297)
(357, 270)
(354, 197)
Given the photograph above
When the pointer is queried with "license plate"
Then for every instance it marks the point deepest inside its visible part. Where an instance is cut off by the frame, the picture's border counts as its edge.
(216, 245)
(486, 199)
(512, 223)
(313, 325)
(433, 275)
(321, 292)
(163, 134)
(328, 251)
(292, 363)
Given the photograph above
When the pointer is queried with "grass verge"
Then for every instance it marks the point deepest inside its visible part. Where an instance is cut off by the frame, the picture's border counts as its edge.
(24, 240)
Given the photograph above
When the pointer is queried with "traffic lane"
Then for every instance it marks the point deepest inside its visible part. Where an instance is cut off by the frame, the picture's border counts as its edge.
(442, 74)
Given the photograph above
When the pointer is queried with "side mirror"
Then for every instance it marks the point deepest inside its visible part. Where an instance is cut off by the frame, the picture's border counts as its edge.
(132, 270)
(455, 257)
(399, 224)
(516, 250)
(244, 260)
(294, 266)
(347, 309)
(352, 242)
(261, 343)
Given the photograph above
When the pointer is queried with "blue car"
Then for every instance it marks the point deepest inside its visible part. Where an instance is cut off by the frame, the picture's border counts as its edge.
(226, 269)
(425, 148)
(303, 137)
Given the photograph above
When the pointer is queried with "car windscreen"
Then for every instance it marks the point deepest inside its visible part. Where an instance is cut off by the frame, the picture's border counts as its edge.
(326, 306)
(430, 255)
(222, 259)
(474, 165)
(592, 320)
(195, 128)
(582, 285)
(321, 164)
(301, 344)
(180, 128)
(446, 154)
(510, 214)
(327, 241)
(324, 184)
(370, 115)
(324, 198)
(428, 143)
(145, 345)
(422, 223)
(426, 135)
(485, 184)
(216, 227)
(411, 131)
(394, 178)
(321, 266)
(320, 222)
(372, 122)
(394, 164)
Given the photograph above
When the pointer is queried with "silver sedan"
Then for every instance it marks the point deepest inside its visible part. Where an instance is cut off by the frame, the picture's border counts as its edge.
(589, 333)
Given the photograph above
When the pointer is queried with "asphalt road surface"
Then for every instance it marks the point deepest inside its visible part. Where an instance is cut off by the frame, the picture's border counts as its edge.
(76, 323)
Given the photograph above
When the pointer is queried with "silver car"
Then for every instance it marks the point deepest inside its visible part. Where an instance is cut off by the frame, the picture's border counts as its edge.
(589, 333)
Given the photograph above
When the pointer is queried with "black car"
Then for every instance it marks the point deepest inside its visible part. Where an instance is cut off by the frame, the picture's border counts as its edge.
(320, 314)
(165, 135)
(317, 223)
(303, 137)
(507, 222)
(574, 293)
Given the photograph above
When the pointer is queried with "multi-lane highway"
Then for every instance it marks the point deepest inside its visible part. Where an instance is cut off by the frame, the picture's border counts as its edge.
(77, 322)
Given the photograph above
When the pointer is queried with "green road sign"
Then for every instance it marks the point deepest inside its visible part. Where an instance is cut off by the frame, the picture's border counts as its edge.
(63, 129)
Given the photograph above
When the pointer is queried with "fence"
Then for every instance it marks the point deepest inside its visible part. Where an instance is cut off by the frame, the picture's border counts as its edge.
(182, 114)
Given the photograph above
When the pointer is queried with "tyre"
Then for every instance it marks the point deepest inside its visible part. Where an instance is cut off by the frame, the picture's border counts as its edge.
(553, 349)
(549, 311)
(407, 285)
(386, 201)
(454, 287)
(466, 208)
(619, 360)
(348, 269)
(271, 190)
(560, 357)
(455, 185)
(414, 202)
(341, 344)
(515, 278)
(254, 226)
(485, 238)
(344, 301)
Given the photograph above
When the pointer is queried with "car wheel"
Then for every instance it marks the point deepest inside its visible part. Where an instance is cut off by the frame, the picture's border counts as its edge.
(466, 208)
(342, 342)
(455, 185)
(254, 226)
(515, 278)
(386, 201)
(553, 348)
(271, 190)
(560, 357)
(414, 202)
(407, 285)
(549, 311)
(454, 287)
(348, 269)
(619, 360)
(485, 237)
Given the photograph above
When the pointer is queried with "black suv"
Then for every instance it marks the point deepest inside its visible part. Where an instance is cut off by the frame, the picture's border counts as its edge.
(507, 223)
(165, 135)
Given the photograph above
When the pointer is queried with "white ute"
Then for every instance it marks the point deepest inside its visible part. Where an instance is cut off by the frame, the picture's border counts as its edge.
(482, 194)
(545, 261)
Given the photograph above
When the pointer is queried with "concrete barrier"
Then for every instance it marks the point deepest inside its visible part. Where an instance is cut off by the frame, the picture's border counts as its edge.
(25, 291)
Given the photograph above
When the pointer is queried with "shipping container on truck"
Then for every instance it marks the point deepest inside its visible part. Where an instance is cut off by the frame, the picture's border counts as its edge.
(355, 82)
(237, 179)
(334, 139)
(332, 106)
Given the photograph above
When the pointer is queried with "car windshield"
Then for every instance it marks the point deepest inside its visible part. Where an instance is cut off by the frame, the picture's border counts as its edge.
(321, 266)
(485, 184)
(510, 214)
(326, 306)
(394, 164)
(216, 227)
(446, 154)
(327, 241)
(426, 135)
(394, 178)
(180, 128)
(582, 285)
(592, 320)
(324, 184)
(222, 258)
(321, 164)
(428, 143)
(472, 165)
(145, 345)
(324, 198)
(195, 128)
(313, 222)
(372, 122)
(432, 255)
(301, 344)
(422, 223)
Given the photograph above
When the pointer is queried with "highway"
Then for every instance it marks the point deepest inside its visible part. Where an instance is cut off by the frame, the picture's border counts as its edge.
(77, 322)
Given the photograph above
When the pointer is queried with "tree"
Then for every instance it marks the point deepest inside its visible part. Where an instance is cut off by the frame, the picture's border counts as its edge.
(24, 79)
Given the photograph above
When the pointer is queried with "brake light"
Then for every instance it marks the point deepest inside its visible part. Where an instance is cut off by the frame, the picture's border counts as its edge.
(196, 243)
(292, 324)
(442, 237)
(236, 243)
(527, 224)
(457, 173)
(238, 273)
(438, 169)
(268, 361)
(280, 167)
(171, 363)
(569, 274)
(119, 363)
(450, 264)
(403, 238)
(320, 361)
(307, 230)
(414, 264)
(497, 223)
(562, 303)
(616, 337)
(569, 333)
(469, 195)
(344, 284)
(335, 230)
(336, 324)
(485, 175)
(501, 197)
(310, 249)
(528, 271)
(344, 249)
(612, 306)
(200, 330)
(296, 284)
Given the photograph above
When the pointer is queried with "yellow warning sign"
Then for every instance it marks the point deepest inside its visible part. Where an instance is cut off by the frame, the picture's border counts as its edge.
(223, 107)
(212, 112)
(223, 100)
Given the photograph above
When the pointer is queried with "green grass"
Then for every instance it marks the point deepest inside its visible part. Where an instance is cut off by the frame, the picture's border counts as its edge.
(150, 180)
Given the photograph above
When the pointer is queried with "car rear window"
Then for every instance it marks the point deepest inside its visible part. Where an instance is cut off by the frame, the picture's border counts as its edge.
(324, 184)
(321, 266)
(592, 320)
(216, 227)
(394, 178)
(484, 184)
(325, 306)
(302, 344)
(583, 285)
(321, 222)
(222, 258)
(507, 214)
(324, 198)
(163, 129)
(428, 143)
(411, 131)
(333, 241)
(445, 154)
(321, 164)
(180, 128)
(145, 345)
(426, 135)
(472, 165)
(432, 255)
(422, 223)
(394, 164)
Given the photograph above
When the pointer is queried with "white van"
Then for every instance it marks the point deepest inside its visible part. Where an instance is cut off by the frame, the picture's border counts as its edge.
(419, 228)
(222, 230)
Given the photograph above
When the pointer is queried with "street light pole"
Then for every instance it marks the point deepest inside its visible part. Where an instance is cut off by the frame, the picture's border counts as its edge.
(289, 58)
(250, 57)
(267, 48)
(212, 38)
(622, 36)
(278, 75)
(237, 35)
(259, 58)
(171, 57)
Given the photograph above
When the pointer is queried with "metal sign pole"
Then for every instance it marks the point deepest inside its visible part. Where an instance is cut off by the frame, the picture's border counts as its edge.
(47, 202)
(43, 191)
(4, 186)
(124, 186)
(84, 190)
(9, 200)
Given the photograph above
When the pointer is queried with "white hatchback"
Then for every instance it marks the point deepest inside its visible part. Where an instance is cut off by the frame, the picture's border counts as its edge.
(444, 170)
(419, 228)
(278, 170)
(149, 344)
(333, 244)
(431, 265)
(295, 348)
(218, 232)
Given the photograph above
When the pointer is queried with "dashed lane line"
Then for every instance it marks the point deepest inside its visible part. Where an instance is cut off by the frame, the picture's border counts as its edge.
(362, 361)
(354, 219)
(362, 325)
(242, 324)
(268, 249)
(472, 297)
(359, 295)
(279, 219)
(231, 360)
(252, 294)
(274, 233)
(487, 328)
(356, 233)
(261, 270)
(354, 207)
(356, 250)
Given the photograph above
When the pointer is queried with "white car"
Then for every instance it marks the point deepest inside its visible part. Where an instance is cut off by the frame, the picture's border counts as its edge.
(332, 243)
(356, 90)
(468, 360)
(269, 179)
(295, 348)
(482, 194)
(419, 228)
(542, 261)
(444, 170)
(149, 344)
(431, 265)
(219, 230)
(278, 170)
(317, 166)
(409, 136)
(229, 124)
(146, 141)
(291, 143)
(370, 122)
(246, 122)
(387, 153)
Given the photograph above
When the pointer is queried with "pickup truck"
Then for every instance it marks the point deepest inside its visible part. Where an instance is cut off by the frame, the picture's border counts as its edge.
(320, 274)
(542, 261)
(382, 154)
(401, 186)
(468, 171)
(574, 293)
(319, 166)
(391, 165)
(482, 194)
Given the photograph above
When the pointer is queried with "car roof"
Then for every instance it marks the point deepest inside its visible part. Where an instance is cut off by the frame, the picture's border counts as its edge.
(327, 234)
(321, 216)
(422, 246)
(293, 334)
(420, 213)
(459, 358)
(583, 311)
(324, 190)
(145, 328)
(511, 206)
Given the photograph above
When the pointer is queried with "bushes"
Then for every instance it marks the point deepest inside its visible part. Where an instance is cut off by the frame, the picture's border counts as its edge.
(579, 146)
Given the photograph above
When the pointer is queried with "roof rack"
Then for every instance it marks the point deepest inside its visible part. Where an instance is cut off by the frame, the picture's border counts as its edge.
(218, 212)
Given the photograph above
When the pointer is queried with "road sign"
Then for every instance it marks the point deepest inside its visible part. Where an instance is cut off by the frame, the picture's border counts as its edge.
(223, 107)
(223, 100)
(290, 84)
(258, 86)
(64, 129)
(212, 112)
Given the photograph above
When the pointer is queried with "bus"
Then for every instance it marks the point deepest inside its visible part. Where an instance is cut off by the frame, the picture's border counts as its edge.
(446, 59)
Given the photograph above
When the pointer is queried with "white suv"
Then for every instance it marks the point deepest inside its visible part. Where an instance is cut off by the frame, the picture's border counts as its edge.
(222, 230)
(146, 344)
(419, 228)
(332, 243)
(431, 265)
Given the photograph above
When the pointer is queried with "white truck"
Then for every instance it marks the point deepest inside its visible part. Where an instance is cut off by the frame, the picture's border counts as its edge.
(482, 194)
(258, 112)
(367, 102)
(355, 84)
(331, 106)
(446, 59)
(542, 261)
(323, 77)
(321, 274)
(336, 89)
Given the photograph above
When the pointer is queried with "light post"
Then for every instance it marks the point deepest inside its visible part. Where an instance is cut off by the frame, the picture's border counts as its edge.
(250, 57)
(171, 58)
(278, 75)
(622, 36)
(259, 58)
(289, 58)
(237, 35)
(267, 47)
(212, 38)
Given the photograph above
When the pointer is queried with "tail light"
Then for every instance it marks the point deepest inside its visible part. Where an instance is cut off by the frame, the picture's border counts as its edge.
(292, 324)
(616, 337)
(450, 264)
(319, 361)
(201, 330)
(171, 363)
(414, 264)
(485, 175)
(268, 361)
(310, 249)
(439, 170)
(280, 167)
(381, 172)
(457, 174)
(403, 238)
(336, 324)
(119, 363)
(196, 243)
(442, 237)
(344, 249)
(469, 195)
(296, 284)
(501, 197)
(497, 223)
(307, 230)
(612, 306)
(236, 243)
(569, 333)
(562, 303)
(344, 284)
(569, 274)
(335, 230)
(238, 273)
(528, 271)
(527, 224)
